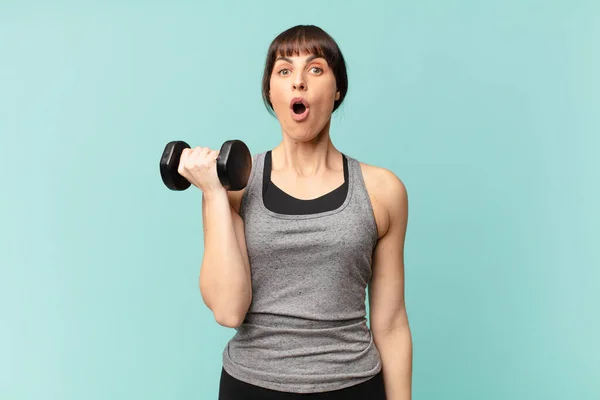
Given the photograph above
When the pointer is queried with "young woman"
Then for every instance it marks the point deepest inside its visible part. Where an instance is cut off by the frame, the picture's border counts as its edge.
(288, 259)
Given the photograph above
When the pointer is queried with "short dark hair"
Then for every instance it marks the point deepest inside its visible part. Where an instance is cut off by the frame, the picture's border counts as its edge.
(309, 39)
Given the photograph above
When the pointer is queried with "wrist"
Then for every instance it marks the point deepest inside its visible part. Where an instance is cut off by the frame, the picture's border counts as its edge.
(216, 193)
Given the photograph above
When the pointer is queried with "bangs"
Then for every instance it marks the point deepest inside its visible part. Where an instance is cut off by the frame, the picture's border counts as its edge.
(302, 41)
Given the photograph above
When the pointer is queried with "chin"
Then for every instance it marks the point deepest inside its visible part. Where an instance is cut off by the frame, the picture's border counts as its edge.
(303, 131)
(300, 135)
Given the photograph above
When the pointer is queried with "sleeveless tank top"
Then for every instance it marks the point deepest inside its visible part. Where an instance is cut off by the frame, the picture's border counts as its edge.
(306, 328)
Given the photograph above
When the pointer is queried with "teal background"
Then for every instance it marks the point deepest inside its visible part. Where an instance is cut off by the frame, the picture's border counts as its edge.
(488, 111)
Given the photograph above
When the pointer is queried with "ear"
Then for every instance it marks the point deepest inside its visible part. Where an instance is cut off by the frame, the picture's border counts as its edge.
(337, 95)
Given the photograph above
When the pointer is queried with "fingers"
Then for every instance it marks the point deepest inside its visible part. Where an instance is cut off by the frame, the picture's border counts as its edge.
(198, 157)
(183, 160)
(195, 159)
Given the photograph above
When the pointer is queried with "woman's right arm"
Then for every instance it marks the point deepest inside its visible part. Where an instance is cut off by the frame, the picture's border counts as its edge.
(225, 280)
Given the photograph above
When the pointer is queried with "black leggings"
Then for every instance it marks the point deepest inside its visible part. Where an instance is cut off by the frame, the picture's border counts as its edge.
(234, 389)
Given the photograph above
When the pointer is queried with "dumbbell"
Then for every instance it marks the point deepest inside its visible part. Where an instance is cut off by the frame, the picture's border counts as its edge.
(234, 164)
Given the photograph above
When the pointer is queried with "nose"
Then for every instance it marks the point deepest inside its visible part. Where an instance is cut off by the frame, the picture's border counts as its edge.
(299, 83)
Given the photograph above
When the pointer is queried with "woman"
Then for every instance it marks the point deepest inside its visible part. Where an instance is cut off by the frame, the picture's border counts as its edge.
(288, 259)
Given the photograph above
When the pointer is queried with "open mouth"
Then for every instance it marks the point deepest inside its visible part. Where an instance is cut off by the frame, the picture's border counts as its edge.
(298, 108)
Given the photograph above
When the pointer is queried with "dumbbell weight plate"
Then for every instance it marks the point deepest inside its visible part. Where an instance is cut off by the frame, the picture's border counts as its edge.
(234, 165)
(169, 163)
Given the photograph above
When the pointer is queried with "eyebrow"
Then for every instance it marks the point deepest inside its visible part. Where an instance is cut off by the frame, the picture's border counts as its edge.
(309, 59)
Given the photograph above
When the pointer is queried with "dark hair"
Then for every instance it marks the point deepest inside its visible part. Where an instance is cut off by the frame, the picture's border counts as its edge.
(309, 39)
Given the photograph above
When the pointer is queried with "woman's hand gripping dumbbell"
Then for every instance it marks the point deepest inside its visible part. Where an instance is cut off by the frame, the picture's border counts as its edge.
(182, 166)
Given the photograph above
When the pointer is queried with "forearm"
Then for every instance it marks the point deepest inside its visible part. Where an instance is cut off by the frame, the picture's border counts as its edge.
(395, 348)
(224, 277)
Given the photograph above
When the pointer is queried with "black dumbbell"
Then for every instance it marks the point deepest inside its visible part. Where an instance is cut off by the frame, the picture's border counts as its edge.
(234, 164)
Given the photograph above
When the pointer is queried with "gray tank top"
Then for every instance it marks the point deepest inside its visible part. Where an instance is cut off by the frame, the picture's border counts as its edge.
(306, 329)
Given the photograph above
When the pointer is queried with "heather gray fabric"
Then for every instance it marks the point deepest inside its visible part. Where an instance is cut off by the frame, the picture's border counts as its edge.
(306, 329)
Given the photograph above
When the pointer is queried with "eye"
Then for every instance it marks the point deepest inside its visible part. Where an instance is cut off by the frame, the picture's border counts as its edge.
(316, 70)
(284, 71)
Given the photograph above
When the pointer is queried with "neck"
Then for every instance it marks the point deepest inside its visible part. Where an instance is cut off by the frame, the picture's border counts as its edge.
(306, 159)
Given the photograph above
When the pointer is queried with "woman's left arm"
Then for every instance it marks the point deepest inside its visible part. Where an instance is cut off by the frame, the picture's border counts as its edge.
(387, 310)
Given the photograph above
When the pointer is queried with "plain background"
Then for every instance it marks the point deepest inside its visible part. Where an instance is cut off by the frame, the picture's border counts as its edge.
(488, 111)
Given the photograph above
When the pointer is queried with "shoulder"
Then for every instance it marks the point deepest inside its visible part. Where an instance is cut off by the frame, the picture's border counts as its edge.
(382, 178)
(388, 193)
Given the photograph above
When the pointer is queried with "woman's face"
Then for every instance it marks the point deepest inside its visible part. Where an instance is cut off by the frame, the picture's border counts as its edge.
(303, 91)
